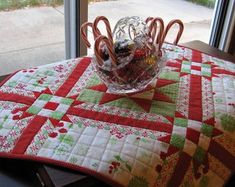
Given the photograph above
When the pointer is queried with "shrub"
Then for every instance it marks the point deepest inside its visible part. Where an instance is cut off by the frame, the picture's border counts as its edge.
(15, 4)
(208, 3)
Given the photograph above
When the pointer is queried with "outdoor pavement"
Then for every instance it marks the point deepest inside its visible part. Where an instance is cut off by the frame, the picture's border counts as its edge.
(35, 36)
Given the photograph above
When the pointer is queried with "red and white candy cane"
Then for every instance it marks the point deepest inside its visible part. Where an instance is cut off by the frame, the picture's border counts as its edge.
(168, 27)
(96, 31)
(83, 31)
(153, 29)
(109, 45)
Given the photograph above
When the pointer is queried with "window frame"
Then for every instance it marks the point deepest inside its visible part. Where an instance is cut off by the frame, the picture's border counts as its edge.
(222, 25)
(76, 12)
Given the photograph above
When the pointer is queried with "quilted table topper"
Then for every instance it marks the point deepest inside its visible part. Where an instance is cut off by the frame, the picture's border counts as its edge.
(180, 131)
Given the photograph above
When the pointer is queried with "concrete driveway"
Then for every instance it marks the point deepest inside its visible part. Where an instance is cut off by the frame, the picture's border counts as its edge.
(35, 36)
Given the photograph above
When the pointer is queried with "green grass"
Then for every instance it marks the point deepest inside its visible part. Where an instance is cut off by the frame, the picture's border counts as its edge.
(208, 3)
(16, 4)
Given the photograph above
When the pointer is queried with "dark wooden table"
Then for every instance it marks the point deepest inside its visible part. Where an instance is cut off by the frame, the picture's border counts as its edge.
(14, 173)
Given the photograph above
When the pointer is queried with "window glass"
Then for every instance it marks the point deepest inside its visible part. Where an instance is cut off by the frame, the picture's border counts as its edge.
(195, 14)
(32, 33)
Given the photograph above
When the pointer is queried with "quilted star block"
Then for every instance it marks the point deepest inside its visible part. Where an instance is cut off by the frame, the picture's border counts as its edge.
(50, 106)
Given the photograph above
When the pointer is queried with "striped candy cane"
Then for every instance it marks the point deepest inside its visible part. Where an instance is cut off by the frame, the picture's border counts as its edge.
(109, 45)
(83, 32)
(168, 27)
(96, 31)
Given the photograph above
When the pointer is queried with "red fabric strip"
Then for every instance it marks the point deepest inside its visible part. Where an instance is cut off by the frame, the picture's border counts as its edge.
(198, 68)
(193, 135)
(222, 155)
(16, 98)
(73, 78)
(180, 170)
(162, 83)
(163, 127)
(175, 64)
(28, 134)
(222, 71)
(195, 98)
(196, 56)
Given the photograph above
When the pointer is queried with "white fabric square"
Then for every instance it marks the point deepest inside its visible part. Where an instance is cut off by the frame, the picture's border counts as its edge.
(108, 154)
(38, 88)
(185, 66)
(76, 129)
(147, 144)
(114, 144)
(103, 133)
(179, 130)
(4, 132)
(84, 139)
(189, 147)
(30, 87)
(131, 139)
(129, 149)
(32, 81)
(208, 70)
(62, 108)
(144, 156)
(9, 124)
(196, 64)
(100, 142)
(56, 99)
(39, 103)
(220, 108)
(129, 160)
(51, 143)
(160, 147)
(45, 152)
(60, 155)
(95, 152)
(76, 159)
(45, 112)
(90, 163)
(4, 113)
(90, 131)
(80, 149)
(71, 135)
(104, 168)
(204, 141)
(196, 125)
(195, 72)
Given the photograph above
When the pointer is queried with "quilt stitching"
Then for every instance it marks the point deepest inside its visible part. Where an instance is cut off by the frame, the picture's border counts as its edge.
(166, 135)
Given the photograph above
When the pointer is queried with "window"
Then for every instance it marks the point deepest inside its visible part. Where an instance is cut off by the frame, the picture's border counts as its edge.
(200, 20)
(196, 18)
(32, 33)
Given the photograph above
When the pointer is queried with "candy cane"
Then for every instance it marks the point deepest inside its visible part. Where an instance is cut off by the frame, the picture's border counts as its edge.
(109, 45)
(83, 31)
(161, 28)
(148, 19)
(151, 32)
(96, 31)
(180, 31)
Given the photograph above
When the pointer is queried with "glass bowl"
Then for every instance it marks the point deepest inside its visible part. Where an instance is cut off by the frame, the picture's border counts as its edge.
(135, 60)
(133, 76)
